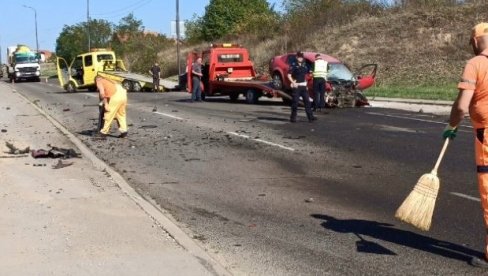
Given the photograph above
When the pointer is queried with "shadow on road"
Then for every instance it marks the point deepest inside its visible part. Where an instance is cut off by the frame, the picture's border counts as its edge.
(386, 232)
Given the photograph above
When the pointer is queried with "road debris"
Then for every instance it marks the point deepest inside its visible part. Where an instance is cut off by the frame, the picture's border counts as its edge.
(148, 126)
(4, 130)
(66, 109)
(14, 150)
(309, 200)
(55, 152)
(155, 109)
(61, 164)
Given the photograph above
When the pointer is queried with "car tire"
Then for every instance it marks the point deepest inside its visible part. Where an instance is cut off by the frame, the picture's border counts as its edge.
(71, 87)
(127, 84)
(277, 81)
(251, 96)
(136, 86)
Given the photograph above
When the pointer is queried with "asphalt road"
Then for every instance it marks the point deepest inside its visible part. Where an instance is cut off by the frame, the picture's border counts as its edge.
(267, 197)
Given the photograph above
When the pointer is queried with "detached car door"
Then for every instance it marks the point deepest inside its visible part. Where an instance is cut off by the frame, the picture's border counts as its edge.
(63, 71)
(366, 76)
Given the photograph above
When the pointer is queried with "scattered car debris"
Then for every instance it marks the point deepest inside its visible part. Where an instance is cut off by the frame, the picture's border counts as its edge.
(55, 152)
(148, 126)
(14, 150)
(294, 137)
(61, 164)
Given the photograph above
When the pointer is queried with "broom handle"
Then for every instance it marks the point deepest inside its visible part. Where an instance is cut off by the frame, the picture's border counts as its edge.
(437, 164)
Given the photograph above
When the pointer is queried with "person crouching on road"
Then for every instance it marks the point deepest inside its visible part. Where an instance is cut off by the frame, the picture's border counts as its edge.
(196, 73)
(297, 76)
(319, 79)
(114, 98)
(473, 98)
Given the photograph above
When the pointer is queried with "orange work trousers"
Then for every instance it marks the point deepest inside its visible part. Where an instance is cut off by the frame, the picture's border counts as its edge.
(481, 155)
(116, 110)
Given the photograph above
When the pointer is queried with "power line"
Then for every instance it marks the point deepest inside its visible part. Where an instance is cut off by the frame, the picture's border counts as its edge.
(133, 6)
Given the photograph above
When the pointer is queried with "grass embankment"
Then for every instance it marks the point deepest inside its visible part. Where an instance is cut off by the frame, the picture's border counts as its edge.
(440, 92)
(49, 70)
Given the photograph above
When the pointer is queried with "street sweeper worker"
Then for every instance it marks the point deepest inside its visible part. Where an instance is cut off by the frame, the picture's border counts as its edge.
(473, 99)
(114, 98)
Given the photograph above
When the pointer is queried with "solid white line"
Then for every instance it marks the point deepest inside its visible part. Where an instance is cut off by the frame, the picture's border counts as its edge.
(261, 141)
(466, 196)
(414, 119)
(170, 116)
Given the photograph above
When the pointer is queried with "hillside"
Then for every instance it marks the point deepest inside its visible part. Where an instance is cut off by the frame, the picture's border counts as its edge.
(412, 47)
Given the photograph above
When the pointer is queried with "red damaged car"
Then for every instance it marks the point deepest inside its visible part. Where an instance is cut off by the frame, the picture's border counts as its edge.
(344, 89)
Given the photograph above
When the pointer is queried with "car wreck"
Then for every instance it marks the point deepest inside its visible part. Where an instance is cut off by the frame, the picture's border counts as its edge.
(343, 88)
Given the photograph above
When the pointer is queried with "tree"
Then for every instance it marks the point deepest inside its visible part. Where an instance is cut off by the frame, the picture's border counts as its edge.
(129, 24)
(230, 17)
(73, 39)
(138, 47)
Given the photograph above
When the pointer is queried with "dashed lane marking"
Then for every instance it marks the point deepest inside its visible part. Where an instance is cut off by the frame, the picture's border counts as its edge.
(466, 196)
(170, 116)
(416, 119)
(261, 141)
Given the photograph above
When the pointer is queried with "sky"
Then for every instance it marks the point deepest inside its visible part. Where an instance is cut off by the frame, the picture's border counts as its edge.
(17, 23)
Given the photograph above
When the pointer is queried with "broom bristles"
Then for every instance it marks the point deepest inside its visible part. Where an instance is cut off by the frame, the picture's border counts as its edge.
(418, 208)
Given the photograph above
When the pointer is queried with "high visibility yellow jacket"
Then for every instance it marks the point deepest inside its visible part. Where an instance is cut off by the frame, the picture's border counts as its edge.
(320, 69)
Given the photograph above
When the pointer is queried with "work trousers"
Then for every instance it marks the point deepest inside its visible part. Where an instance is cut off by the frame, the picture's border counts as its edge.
(116, 110)
(319, 93)
(300, 91)
(196, 92)
(481, 155)
(101, 115)
(156, 84)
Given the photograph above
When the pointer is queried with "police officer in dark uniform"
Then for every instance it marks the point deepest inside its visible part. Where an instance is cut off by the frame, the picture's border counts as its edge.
(297, 76)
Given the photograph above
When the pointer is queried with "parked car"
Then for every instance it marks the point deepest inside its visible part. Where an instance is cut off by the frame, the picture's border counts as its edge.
(343, 87)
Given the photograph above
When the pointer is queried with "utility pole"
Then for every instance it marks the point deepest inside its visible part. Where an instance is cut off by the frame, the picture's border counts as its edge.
(178, 36)
(35, 21)
(88, 23)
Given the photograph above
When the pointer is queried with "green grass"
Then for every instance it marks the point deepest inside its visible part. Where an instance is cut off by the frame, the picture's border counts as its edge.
(425, 92)
(48, 70)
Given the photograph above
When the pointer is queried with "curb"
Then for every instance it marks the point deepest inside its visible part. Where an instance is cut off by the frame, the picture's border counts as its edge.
(155, 212)
(412, 101)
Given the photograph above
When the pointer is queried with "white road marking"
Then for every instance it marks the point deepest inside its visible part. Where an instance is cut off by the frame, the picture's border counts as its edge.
(170, 116)
(91, 95)
(261, 141)
(416, 119)
(466, 196)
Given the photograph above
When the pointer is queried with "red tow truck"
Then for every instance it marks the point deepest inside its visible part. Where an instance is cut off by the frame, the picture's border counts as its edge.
(228, 71)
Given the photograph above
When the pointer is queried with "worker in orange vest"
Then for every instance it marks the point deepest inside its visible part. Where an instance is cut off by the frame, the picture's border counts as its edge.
(473, 99)
(114, 99)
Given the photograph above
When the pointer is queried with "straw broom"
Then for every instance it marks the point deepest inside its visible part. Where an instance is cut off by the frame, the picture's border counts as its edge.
(418, 207)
